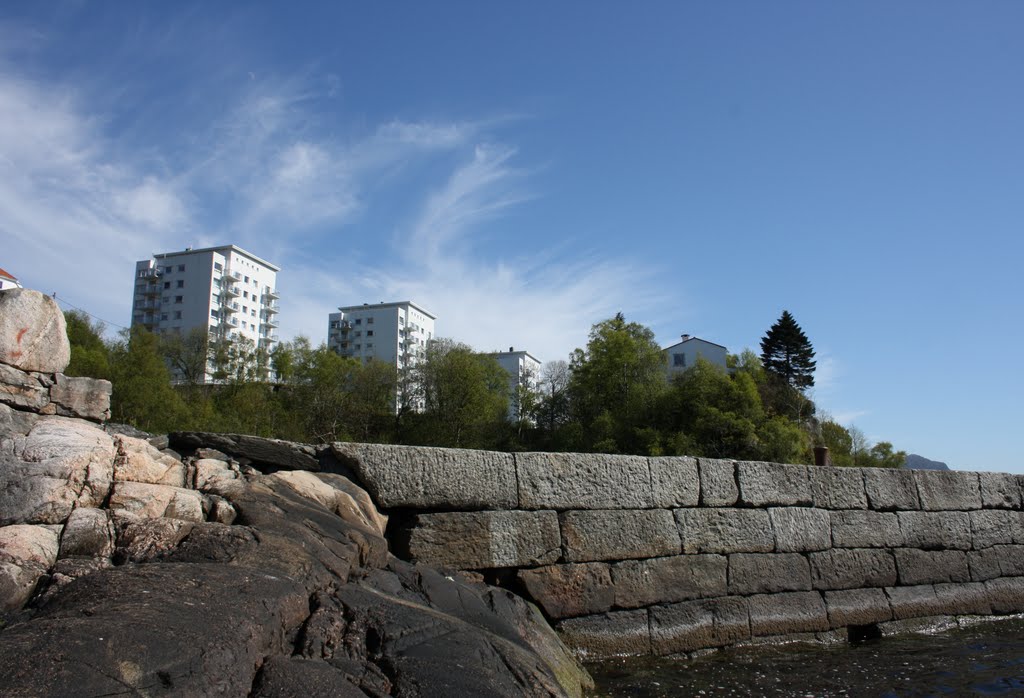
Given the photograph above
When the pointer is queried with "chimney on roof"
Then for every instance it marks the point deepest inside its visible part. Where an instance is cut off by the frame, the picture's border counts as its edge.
(511, 349)
(686, 337)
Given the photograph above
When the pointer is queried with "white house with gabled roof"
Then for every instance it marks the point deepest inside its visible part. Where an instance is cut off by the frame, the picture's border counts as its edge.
(684, 354)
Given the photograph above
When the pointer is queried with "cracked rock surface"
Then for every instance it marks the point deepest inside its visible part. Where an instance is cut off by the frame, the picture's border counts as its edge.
(298, 595)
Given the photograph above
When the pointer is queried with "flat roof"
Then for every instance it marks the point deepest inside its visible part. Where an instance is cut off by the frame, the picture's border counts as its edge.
(393, 304)
(221, 248)
(513, 353)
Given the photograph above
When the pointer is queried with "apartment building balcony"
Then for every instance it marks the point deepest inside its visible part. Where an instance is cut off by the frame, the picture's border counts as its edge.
(153, 273)
(268, 339)
(270, 307)
(233, 275)
(228, 308)
(151, 290)
(149, 306)
(228, 289)
(270, 294)
(150, 321)
(270, 322)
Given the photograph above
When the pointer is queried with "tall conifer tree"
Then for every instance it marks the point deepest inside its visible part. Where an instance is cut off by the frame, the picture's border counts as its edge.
(787, 353)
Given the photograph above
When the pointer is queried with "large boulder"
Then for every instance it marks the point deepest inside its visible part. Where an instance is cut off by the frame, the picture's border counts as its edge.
(33, 334)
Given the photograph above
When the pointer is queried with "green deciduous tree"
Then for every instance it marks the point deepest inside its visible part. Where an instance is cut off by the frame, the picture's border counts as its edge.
(617, 377)
(90, 354)
(787, 353)
(143, 396)
(464, 394)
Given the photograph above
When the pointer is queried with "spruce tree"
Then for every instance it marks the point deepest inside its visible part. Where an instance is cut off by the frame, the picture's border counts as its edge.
(787, 353)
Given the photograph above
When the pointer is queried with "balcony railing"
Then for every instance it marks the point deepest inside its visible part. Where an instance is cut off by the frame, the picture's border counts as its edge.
(270, 293)
(270, 307)
(228, 289)
(151, 290)
(270, 322)
(233, 275)
(151, 273)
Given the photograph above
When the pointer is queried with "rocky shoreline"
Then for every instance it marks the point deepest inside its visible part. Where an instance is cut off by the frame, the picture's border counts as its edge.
(130, 568)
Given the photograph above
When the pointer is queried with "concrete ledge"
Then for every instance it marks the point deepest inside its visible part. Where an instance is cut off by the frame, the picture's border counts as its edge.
(865, 529)
(618, 534)
(914, 601)
(838, 488)
(781, 614)
(929, 530)
(432, 478)
(948, 491)
(669, 579)
(800, 529)
(564, 591)
(725, 530)
(675, 482)
(694, 625)
(583, 481)
(608, 634)
(486, 539)
(852, 569)
(770, 484)
(890, 490)
(718, 483)
(1000, 490)
(857, 607)
(930, 567)
(761, 573)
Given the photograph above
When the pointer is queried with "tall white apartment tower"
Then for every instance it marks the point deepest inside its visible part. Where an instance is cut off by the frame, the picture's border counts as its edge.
(396, 333)
(523, 373)
(225, 290)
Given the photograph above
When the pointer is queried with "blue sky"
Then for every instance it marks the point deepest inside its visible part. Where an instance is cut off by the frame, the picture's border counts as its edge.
(525, 170)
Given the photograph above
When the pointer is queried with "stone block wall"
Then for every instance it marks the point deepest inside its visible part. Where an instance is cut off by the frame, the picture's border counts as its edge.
(635, 555)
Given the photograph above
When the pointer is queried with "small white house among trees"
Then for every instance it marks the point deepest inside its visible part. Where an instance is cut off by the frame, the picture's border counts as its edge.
(683, 355)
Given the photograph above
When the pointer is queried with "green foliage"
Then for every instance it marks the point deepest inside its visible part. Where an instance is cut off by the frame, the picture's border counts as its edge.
(143, 396)
(90, 355)
(787, 353)
(618, 377)
(464, 394)
(186, 355)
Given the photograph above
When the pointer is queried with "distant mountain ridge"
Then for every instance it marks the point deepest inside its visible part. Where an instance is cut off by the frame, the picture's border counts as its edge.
(916, 462)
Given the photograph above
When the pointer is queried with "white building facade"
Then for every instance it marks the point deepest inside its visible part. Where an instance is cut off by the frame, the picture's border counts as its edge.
(225, 290)
(523, 374)
(8, 281)
(395, 333)
(683, 355)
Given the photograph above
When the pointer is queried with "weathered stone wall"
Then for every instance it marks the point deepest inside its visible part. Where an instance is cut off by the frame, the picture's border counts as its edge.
(663, 555)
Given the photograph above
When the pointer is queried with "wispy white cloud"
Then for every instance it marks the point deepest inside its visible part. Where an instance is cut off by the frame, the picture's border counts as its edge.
(78, 204)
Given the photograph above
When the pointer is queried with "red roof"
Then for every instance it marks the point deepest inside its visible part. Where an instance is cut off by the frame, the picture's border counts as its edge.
(5, 275)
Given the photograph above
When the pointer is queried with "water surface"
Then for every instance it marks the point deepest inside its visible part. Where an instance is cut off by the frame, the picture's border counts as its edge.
(982, 658)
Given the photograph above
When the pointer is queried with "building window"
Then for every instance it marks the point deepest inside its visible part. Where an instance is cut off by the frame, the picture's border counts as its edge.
(168, 270)
(163, 317)
(369, 321)
(247, 279)
(213, 313)
(245, 295)
(359, 346)
(179, 299)
(181, 267)
(369, 333)
(679, 360)
(359, 321)
(167, 284)
(177, 314)
(181, 283)
(218, 266)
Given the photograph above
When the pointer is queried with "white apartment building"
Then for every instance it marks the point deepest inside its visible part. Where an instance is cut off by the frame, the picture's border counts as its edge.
(224, 290)
(396, 333)
(523, 371)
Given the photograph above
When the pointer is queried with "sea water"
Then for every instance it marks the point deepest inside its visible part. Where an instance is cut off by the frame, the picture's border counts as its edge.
(977, 657)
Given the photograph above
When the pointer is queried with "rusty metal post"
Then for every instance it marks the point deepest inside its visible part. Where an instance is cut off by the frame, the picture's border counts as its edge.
(821, 456)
